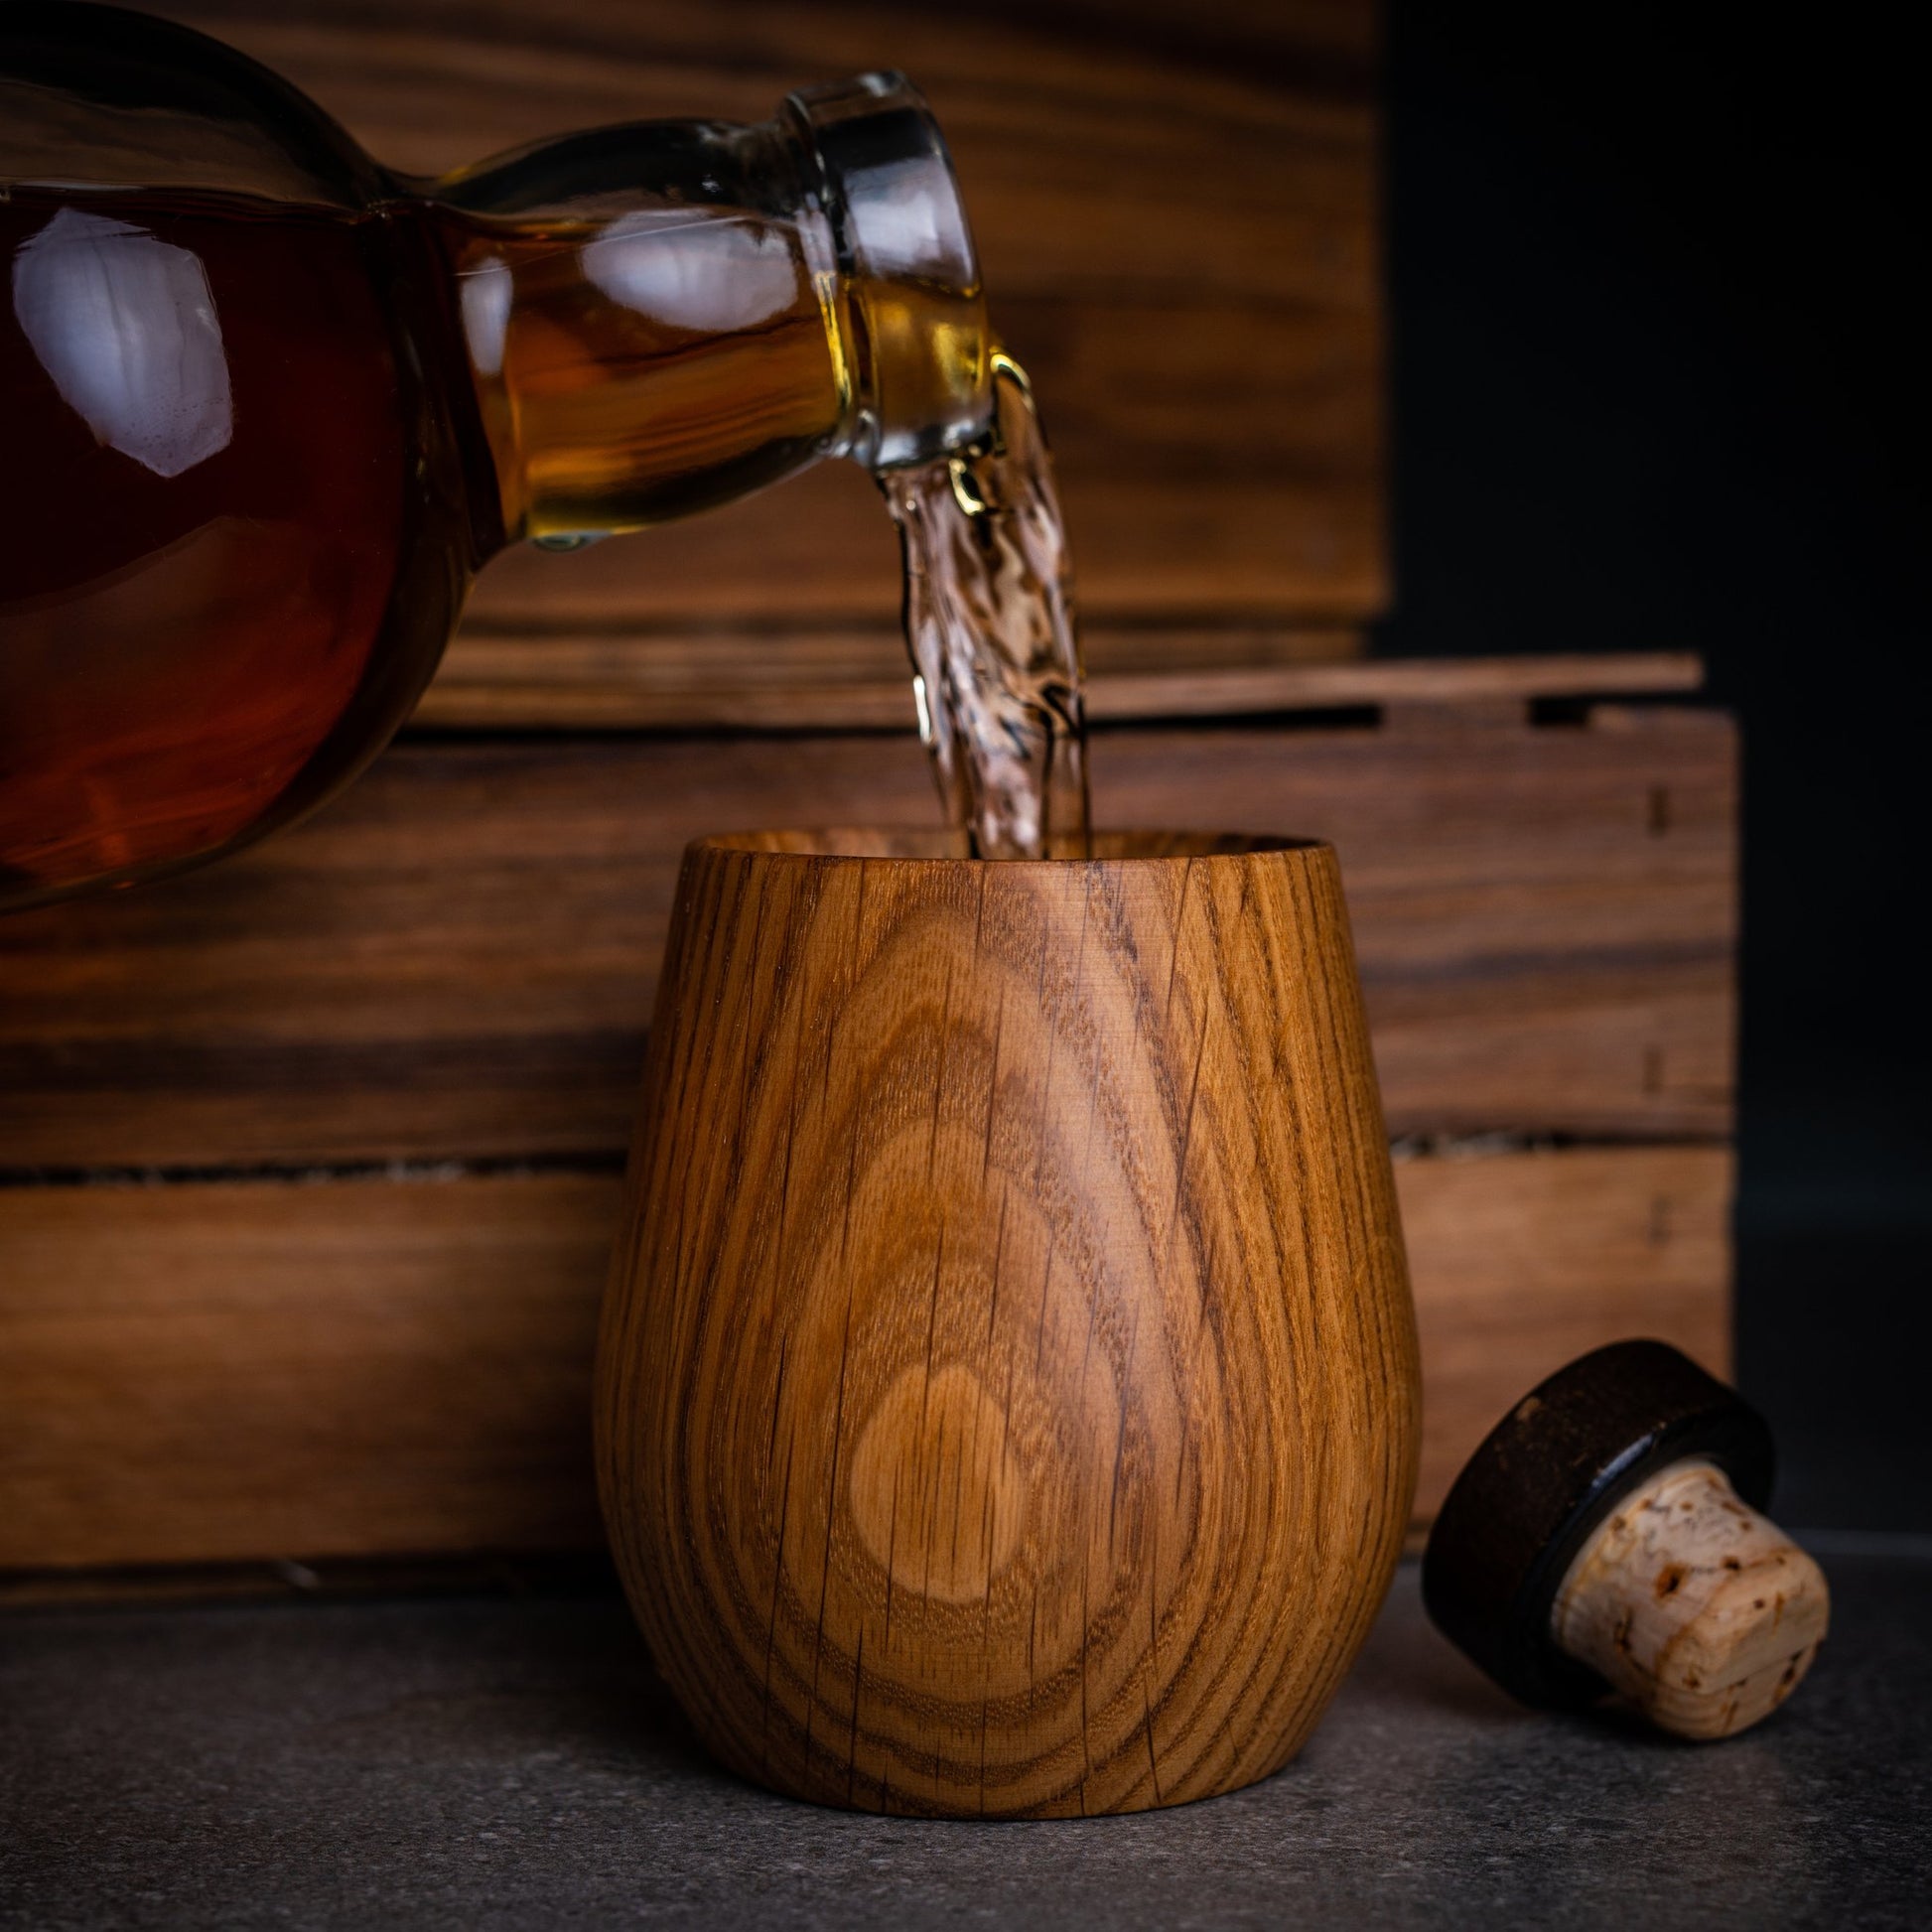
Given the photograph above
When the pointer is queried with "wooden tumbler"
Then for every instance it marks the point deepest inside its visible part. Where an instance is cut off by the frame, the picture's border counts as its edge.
(1007, 1394)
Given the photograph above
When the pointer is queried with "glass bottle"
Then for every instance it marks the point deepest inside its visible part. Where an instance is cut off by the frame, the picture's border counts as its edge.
(269, 406)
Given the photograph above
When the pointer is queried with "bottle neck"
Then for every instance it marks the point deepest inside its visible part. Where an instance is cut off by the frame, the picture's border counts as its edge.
(663, 317)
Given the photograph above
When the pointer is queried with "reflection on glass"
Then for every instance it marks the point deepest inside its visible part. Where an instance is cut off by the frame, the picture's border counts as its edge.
(125, 325)
(713, 274)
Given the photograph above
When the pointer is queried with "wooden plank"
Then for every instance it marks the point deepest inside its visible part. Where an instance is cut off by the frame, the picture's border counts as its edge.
(846, 678)
(219, 1372)
(1209, 363)
(204, 1373)
(1523, 1262)
(458, 958)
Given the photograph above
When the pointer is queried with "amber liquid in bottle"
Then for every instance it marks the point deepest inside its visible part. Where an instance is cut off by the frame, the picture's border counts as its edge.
(634, 370)
(235, 561)
(244, 529)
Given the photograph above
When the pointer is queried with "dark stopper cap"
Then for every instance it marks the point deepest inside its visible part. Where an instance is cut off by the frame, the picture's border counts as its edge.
(1547, 1475)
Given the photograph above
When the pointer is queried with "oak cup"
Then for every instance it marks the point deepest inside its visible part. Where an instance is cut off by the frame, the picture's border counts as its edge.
(1007, 1401)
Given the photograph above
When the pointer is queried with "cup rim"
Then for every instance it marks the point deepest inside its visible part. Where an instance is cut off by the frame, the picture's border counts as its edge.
(923, 845)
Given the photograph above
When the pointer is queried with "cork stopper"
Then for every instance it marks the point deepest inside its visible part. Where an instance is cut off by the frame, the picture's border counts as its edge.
(1606, 1537)
(1701, 1612)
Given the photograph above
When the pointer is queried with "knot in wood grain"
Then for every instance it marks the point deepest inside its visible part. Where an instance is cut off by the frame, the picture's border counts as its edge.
(936, 1493)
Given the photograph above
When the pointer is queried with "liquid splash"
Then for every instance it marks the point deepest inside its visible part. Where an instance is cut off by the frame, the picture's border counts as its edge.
(990, 623)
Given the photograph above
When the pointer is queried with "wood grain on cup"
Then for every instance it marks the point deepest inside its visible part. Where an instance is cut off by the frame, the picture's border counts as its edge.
(1007, 1392)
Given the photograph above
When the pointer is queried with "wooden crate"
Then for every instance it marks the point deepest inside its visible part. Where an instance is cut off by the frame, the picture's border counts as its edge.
(310, 1162)
(317, 1152)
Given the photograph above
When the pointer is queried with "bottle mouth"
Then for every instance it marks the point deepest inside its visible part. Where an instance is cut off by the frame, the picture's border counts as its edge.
(919, 345)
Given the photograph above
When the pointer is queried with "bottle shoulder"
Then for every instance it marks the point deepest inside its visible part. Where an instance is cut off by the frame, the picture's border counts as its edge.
(98, 96)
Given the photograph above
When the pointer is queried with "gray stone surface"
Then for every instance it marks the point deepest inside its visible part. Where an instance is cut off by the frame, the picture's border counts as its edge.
(516, 1764)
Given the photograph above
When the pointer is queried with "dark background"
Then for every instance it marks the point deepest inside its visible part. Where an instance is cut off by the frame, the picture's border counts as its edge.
(1658, 336)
